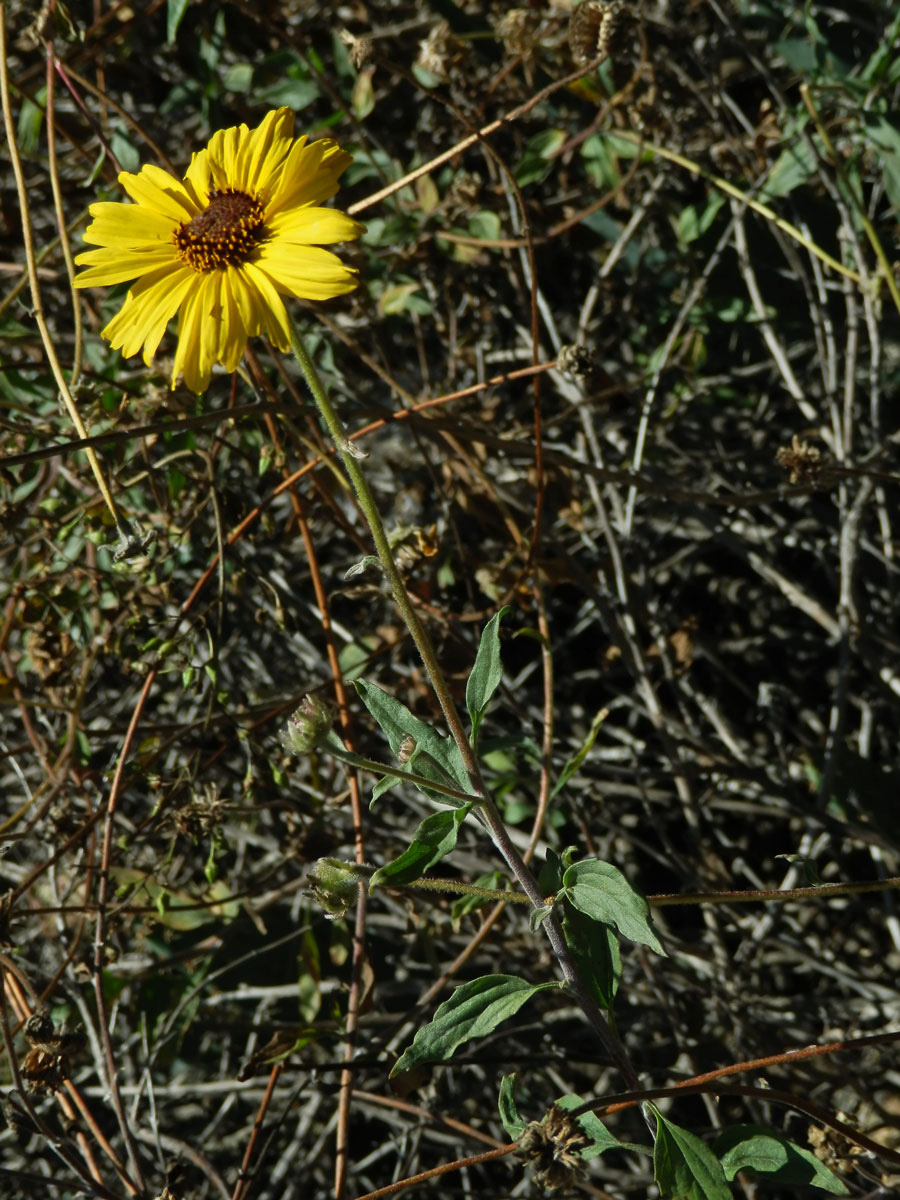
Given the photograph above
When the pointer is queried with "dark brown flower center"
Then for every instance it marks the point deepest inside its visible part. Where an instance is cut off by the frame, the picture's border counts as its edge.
(227, 232)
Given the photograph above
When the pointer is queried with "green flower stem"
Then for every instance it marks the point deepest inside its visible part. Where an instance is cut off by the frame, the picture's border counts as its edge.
(386, 558)
(487, 808)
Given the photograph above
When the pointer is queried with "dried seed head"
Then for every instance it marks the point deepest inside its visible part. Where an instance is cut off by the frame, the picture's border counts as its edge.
(552, 1148)
(440, 51)
(576, 359)
(592, 28)
(359, 49)
(802, 462)
(518, 28)
(47, 1061)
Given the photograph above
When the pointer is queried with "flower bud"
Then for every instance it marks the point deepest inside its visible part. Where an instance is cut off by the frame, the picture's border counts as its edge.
(334, 885)
(307, 727)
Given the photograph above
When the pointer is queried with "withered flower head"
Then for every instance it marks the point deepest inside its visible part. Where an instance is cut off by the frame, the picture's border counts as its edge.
(802, 462)
(440, 51)
(552, 1148)
(46, 1063)
(592, 28)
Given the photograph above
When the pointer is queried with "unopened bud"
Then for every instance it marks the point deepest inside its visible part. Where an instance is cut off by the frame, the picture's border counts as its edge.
(307, 727)
(334, 885)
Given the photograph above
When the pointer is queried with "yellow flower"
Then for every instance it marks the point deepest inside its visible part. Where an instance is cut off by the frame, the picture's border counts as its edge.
(220, 248)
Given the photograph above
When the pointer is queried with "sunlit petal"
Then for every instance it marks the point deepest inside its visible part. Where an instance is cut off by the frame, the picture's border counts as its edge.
(309, 272)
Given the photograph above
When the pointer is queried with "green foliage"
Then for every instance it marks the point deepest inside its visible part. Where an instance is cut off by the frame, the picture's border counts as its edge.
(513, 1122)
(766, 1153)
(435, 757)
(599, 1138)
(175, 10)
(473, 1011)
(683, 1166)
(432, 841)
(486, 674)
(601, 892)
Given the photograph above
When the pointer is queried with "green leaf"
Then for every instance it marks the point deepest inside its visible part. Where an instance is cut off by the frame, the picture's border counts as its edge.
(537, 161)
(601, 891)
(792, 169)
(684, 1167)
(31, 122)
(435, 837)
(693, 223)
(175, 10)
(473, 1011)
(485, 225)
(436, 757)
(395, 299)
(885, 135)
(551, 873)
(486, 673)
(513, 1122)
(593, 1128)
(595, 949)
(755, 1148)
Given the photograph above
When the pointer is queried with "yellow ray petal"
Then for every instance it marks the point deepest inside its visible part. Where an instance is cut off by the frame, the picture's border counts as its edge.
(313, 227)
(310, 175)
(144, 190)
(127, 225)
(148, 308)
(269, 313)
(106, 267)
(308, 272)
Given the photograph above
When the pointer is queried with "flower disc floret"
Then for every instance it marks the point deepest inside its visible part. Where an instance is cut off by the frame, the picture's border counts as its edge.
(226, 233)
(219, 248)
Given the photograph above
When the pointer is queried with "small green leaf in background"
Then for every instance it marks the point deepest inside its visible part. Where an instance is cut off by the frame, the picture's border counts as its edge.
(485, 225)
(694, 222)
(434, 839)
(31, 122)
(601, 891)
(437, 757)
(473, 1011)
(427, 195)
(175, 909)
(809, 865)
(513, 1122)
(792, 168)
(580, 754)
(537, 161)
(363, 99)
(175, 10)
(684, 1167)
(765, 1152)
(885, 136)
(486, 673)
(395, 299)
